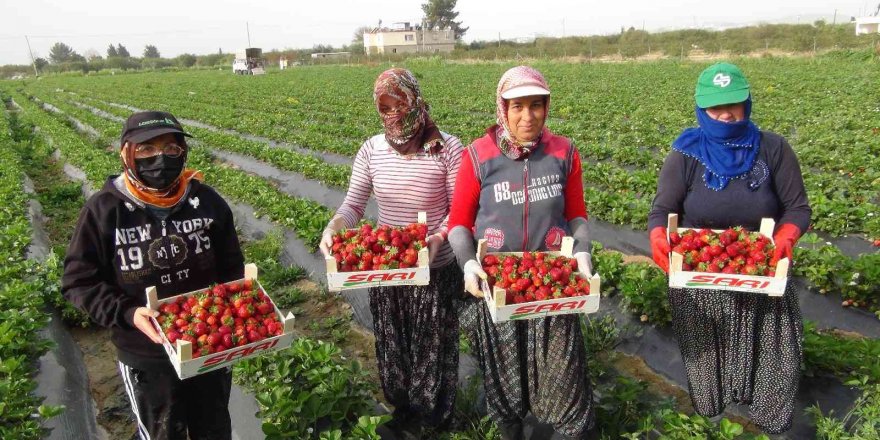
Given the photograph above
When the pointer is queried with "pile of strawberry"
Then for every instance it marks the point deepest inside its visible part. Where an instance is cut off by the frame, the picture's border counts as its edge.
(536, 276)
(220, 318)
(733, 251)
(380, 248)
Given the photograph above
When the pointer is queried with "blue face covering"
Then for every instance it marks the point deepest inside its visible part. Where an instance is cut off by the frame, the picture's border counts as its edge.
(727, 150)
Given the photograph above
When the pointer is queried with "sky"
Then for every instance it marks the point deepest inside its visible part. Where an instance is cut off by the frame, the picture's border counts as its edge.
(202, 27)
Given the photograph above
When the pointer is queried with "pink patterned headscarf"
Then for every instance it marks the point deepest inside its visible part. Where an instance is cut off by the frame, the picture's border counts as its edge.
(411, 128)
(514, 77)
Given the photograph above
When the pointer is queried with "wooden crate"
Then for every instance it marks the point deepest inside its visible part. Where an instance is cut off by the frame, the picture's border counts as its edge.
(771, 286)
(413, 276)
(501, 311)
(181, 353)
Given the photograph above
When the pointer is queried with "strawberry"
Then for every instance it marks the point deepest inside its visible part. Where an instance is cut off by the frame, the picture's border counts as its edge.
(218, 290)
(172, 336)
(734, 249)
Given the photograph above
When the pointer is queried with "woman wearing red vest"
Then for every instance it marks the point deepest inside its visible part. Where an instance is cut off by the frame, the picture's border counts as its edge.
(520, 188)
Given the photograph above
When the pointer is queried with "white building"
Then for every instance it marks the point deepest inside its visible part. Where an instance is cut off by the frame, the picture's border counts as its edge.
(404, 38)
(868, 25)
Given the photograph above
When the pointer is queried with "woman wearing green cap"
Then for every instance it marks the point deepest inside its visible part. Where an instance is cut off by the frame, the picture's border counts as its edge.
(736, 347)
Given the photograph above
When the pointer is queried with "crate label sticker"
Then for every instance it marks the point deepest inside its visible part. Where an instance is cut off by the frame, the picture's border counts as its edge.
(223, 358)
(525, 311)
(367, 278)
(710, 281)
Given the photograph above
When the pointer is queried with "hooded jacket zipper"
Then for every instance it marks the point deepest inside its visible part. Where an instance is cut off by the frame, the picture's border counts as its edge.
(525, 242)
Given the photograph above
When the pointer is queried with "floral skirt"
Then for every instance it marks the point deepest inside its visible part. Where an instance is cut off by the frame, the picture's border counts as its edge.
(742, 348)
(536, 365)
(416, 330)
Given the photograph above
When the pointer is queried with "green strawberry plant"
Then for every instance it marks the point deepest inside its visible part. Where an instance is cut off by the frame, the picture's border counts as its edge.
(22, 286)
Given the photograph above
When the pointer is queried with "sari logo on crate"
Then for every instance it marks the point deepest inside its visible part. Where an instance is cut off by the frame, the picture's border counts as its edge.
(535, 309)
(366, 278)
(223, 358)
(714, 280)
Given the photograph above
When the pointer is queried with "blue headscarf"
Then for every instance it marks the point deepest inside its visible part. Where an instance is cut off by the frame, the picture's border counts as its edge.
(727, 150)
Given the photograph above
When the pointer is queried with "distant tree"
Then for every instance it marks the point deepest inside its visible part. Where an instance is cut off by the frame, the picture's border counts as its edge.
(151, 52)
(322, 48)
(440, 13)
(41, 63)
(359, 34)
(122, 51)
(186, 60)
(111, 51)
(60, 53)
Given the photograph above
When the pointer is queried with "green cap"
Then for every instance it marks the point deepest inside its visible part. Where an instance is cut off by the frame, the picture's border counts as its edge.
(719, 84)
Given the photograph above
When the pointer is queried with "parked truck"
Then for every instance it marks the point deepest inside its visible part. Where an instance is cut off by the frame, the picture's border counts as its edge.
(249, 62)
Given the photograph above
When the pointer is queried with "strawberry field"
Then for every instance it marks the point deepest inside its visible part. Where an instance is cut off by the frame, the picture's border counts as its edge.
(281, 145)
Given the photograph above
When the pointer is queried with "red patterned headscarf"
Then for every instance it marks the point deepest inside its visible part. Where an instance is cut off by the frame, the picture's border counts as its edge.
(411, 129)
(515, 77)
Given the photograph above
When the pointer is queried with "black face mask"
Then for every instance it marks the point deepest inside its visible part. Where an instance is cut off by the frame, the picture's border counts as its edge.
(159, 172)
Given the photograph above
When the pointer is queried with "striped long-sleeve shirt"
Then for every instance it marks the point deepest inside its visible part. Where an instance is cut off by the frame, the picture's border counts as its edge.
(403, 186)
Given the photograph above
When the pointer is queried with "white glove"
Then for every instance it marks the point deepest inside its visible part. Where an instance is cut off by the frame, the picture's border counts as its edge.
(473, 273)
(584, 264)
(434, 243)
(337, 223)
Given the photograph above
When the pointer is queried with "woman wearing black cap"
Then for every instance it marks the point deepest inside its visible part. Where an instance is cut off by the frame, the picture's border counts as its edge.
(737, 347)
(156, 224)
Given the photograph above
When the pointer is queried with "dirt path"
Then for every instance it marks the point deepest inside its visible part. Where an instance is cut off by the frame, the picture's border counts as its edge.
(112, 407)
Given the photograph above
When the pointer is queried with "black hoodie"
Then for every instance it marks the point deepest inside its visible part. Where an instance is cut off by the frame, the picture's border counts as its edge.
(120, 248)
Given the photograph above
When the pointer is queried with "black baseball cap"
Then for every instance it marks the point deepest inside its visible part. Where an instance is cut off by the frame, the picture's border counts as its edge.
(143, 126)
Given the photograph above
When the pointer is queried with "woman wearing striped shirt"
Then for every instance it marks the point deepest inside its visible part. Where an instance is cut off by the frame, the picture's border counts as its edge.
(411, 167)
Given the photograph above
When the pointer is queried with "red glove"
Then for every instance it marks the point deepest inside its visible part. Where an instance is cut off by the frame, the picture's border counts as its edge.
(785, 238)
(660, 247)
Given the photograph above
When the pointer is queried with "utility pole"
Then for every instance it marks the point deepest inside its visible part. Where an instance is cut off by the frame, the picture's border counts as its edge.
(248, 27)
(563, 28)
(33, 62)
(834, 21)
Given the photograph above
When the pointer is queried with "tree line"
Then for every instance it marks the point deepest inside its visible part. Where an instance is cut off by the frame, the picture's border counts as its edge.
(628, 43)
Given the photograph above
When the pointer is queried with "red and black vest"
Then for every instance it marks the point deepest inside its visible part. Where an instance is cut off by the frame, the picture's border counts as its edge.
(522, 202)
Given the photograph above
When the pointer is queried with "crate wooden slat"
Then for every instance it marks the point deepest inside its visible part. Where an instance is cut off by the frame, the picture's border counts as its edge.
(496, 297)
(414, 276)
(770, 286)
(181, 353)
